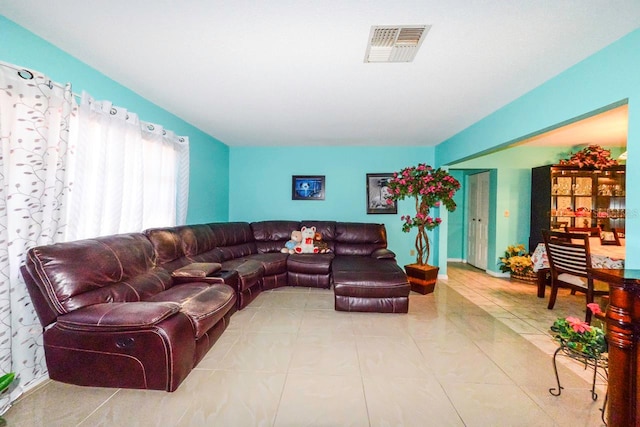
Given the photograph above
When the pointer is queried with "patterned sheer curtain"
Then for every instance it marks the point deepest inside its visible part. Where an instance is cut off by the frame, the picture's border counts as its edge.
(35, 117)
(67, 172)
(129, 175)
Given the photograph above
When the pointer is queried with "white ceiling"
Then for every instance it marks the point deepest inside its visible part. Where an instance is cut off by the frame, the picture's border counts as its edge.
(292, 72)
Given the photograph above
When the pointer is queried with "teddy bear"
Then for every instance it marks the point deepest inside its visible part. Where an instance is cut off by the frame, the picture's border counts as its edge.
(322, 246)
(306, 245)
(289, 246)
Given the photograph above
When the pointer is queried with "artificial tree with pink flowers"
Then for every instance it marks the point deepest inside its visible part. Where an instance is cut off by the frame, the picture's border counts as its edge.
(430, 188)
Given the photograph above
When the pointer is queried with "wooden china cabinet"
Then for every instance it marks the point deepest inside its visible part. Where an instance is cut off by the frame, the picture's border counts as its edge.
(566, 196)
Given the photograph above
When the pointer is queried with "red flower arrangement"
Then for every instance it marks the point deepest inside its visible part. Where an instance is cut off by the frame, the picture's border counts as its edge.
(590, 157)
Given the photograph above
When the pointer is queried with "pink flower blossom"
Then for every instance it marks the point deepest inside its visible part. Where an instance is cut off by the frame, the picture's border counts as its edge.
(595, 308)
(578, 325)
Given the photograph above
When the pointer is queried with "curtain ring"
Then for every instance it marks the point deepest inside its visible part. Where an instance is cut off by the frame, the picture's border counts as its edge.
(25, 74)
(113, 111)
(150, 127)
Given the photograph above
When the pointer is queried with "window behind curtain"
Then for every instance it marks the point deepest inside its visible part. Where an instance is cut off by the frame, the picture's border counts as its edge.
(128, 175)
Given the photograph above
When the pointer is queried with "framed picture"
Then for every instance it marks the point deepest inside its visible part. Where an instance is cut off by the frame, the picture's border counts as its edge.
(307, 187)
(377, 192)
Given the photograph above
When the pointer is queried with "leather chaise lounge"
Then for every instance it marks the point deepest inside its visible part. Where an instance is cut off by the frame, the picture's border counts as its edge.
(136, 311)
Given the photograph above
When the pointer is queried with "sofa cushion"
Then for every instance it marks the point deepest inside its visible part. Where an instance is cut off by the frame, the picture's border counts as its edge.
(231, 233)
(197, 240)
(167, 244)
(204, 304)
(118, 316)
(273, 263)
(327, 230)
(250, 272)
(359, 276)
(310, 263)
(271, 236)
(359, 238)
(117, 268)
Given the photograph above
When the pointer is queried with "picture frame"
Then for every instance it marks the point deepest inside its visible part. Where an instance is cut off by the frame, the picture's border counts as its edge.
(376, 200)
(307, 187)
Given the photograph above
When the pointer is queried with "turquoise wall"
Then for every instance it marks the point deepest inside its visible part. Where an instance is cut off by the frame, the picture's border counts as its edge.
(260, 187)
(605, 78)
(456, 227)
(209, 169)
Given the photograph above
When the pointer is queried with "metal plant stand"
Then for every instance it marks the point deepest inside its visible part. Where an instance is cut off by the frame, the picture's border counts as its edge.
(600, 366)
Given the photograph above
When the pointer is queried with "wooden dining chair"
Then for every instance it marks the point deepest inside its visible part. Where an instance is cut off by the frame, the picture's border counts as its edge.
(618, 235)
(570, 265)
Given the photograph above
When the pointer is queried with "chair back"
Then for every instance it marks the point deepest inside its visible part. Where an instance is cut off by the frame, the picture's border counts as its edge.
(568, 253)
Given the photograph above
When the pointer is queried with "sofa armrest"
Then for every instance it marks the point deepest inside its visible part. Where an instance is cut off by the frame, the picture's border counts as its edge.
(183, 279)
(197, 269)
(227, 277)
(118, 316)
(383, 254)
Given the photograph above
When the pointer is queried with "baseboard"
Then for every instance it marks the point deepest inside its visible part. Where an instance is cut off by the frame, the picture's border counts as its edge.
(443, 276)
(497, 274)
(456, 260)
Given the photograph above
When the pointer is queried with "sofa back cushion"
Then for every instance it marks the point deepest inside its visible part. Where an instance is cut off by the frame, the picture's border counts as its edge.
(116, 268)
(359, 238)
(167, 245)
(271, 236)
(326, 228)
(200, 244)
(233, 239)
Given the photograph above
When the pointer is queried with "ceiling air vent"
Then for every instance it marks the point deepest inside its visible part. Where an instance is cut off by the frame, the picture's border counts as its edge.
(395, 44)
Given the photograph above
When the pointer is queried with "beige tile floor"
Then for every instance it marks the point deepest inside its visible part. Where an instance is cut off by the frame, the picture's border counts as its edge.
(476, 352)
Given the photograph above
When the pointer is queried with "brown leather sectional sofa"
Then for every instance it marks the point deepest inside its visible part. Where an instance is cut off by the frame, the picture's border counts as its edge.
(116, 313)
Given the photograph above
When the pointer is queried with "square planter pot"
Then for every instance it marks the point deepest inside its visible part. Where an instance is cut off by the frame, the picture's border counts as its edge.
(422, 278)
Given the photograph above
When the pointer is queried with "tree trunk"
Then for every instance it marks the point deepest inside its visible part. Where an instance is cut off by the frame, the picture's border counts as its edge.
(422, 246)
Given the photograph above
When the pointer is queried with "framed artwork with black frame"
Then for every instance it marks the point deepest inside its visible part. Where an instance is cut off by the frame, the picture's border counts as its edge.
(377, 193)
(307, 187)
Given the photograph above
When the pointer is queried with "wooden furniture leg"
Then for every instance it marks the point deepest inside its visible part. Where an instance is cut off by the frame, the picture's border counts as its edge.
(543, 281)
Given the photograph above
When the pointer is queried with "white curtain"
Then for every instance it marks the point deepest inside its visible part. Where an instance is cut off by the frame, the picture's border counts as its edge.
(69, 172)
(129, 175)
(35, 117)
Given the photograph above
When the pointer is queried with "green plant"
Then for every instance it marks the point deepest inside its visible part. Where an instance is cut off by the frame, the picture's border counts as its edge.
(430, 188)
(5, 382)
(592, 156)
(516, 260)
(579, 335)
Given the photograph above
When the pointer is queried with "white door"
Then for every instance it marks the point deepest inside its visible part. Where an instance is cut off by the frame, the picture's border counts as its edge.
(478, 220)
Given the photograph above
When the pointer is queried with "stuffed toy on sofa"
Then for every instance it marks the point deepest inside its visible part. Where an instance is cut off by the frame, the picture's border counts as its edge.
(306, 245)
(289, 247)
(323, 247)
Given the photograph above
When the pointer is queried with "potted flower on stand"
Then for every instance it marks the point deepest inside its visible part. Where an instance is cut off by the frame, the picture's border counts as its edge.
(430, 188)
